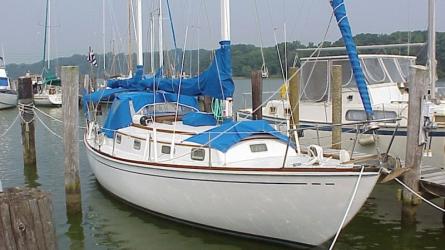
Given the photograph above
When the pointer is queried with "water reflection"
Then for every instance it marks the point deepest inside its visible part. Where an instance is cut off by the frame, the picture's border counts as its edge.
(75, 230)
(31, 176)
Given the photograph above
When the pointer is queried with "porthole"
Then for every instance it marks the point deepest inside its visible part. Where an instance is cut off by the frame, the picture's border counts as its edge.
(256, 148)
(198, 154)
(137, 144)
(165, 150)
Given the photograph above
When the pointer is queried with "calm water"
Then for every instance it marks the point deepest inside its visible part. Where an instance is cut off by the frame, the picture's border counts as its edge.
(109, 224)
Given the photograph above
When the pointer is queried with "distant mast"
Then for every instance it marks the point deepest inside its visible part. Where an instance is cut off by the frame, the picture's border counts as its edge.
(161, 47)
(432, 63)
(139, 27)
(45, 33)
(103, 36)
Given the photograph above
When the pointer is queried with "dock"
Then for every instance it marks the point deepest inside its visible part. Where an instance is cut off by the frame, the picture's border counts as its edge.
(432, 180)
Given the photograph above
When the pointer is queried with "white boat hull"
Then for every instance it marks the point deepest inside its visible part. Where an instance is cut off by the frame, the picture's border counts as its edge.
(8, 100)
(48, 100)
(297, 207)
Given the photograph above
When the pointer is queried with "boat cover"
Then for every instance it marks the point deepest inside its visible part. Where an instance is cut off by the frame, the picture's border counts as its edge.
(343, 23)
(228, 134)
(197, 119)
(125, 104)
(216, 81)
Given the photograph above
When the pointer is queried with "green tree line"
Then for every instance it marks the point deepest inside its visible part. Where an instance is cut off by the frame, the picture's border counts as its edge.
(245, 58)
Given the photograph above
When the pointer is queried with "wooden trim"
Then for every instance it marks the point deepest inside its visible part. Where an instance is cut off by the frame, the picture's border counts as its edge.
(193, 167)
(162, 130)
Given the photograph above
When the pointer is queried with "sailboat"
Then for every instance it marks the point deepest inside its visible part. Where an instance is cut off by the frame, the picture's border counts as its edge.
(48, 89)
(8, 97)
(158, 152)
(386, 77)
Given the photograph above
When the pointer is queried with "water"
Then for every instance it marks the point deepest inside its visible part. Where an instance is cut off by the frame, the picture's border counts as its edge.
(107, 223)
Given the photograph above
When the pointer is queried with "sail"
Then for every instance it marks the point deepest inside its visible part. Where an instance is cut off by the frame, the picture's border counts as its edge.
(216, 81)
(345, 28)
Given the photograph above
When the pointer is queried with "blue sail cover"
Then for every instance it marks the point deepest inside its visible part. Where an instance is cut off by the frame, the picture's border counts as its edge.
(228, 134)
(120, 113)
(216, 81)
(343, 24)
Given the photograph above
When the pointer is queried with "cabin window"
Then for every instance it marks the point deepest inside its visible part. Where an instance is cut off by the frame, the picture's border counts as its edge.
(198, 154)
(273, 110)
(118, 139)
(360, 115)
(257, 148)
(287, 111)
(350, 98)
(165, 150)
(137, 144)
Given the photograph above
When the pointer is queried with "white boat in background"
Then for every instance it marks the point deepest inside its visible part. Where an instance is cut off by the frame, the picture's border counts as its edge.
(47, 88)
(157, 152)
(386, 79)
(8, 97)
(386, 76)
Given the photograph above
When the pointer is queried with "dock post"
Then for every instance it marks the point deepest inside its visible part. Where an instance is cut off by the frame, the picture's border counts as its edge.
(25, 96)
(417, 81)
(26, 220)
(257, 94)
(294, 97)
(70, 85)
(337, 109)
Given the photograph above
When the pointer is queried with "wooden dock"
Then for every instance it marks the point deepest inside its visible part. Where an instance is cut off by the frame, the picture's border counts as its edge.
(432, 180)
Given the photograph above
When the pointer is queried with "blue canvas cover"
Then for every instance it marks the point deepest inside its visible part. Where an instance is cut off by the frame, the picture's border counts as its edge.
(228, 134)
(199, 119)
(345, 28)
(120, 115)
(103, 95)
(216, 81)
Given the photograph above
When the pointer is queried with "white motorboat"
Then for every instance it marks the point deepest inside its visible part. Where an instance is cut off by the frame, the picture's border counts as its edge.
(157, 152)
(387, 77)
(8, 97)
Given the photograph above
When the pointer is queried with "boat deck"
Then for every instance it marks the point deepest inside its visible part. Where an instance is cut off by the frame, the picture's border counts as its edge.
(433, 180)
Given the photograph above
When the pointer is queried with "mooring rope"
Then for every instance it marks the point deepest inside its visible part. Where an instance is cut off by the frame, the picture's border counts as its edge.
(47, 128)
(10, 126)
(347, 210)
(418, 195)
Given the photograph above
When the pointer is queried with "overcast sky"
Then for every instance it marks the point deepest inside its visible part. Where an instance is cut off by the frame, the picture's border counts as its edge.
(76, 24)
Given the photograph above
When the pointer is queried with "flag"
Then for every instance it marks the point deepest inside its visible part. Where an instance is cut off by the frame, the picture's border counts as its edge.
(91, 57)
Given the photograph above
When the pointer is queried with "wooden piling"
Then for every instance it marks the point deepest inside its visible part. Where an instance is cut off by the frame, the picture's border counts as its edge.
(70, 88)
(417, 83)
(26, 220)
(25, 99)
(294, 96)
(336, 101)
(256, 80)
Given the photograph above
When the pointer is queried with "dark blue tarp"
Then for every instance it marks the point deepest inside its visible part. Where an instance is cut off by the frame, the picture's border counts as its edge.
(3, 81)
(228, 134)
(345, 28)
(216, 81)
(197, 119)
(103, 95)
(120, 115)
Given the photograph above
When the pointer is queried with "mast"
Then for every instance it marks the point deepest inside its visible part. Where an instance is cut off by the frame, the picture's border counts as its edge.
(432, 63)
(49, 34)
(161, 47)
(130, 66)
(139, 27)
(45, 33)
(225, 36)
(152, 41)
(103, 34)
(225, 20)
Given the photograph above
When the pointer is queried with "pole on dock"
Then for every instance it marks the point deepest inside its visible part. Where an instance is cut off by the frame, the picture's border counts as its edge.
(414, 145)
(70, 88)
(25, 96)
(337, 109)
(294, 97)
(26, 220)
(257, 94)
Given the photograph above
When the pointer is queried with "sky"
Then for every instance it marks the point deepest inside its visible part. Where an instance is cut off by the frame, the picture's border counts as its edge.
(77, 24)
